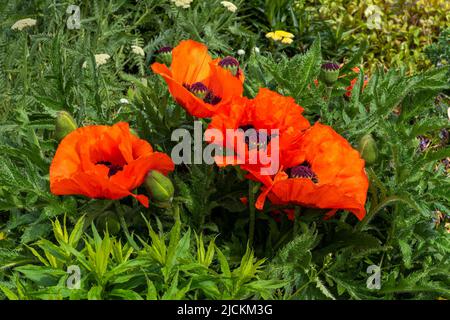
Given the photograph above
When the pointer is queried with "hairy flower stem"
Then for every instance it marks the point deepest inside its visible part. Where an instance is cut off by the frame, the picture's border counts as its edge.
(369, 216)
(251, 203)
(296, 220)
(123, 224)
(329, 92)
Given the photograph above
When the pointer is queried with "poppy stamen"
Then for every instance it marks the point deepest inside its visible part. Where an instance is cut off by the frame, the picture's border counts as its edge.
(203, 92)
(255, 138)
(113, 168)
(199, 90)
(303, 171)
(230, 63)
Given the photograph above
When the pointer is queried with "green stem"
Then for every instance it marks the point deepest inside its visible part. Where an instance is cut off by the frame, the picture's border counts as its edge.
(296, 220)
(329, 92)
(387, 201)
(123, 224)
(307, 283)
(251, 203)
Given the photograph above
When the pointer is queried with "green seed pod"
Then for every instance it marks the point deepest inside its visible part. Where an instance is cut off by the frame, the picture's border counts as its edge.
(109, 221)
(230, 63)
(65, 124)
(329, 73)
(164, 55)
(159, 186)
(368, 149)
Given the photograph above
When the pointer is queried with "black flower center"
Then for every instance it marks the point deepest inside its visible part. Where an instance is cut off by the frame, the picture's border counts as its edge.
(303, 171)
(203, 92)
(330, 66)
(165, 49)
(113, 168)
(255, 138)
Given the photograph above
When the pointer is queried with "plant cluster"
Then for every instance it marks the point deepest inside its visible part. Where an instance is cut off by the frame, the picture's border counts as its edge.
(193, 241)
(397, 31)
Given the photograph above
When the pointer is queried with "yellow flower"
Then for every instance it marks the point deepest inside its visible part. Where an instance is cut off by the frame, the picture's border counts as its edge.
(287, 40)
(284, 34)
(279, 35)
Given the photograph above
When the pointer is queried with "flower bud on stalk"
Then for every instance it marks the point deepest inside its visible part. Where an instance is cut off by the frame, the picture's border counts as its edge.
(65, 124)
(368, 148)
(159, 186)
(164, 55)
(329, 73)
(230, 63)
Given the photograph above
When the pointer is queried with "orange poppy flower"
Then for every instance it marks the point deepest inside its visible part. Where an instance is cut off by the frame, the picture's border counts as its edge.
(328, 174)
(199, 84)
(104, 162)
(268, 110)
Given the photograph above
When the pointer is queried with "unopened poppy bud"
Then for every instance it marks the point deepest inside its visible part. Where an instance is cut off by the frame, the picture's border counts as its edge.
(368, 149)
(329, 73)
(230, 63)
(65, 124)
(159, 186)
(164, 55)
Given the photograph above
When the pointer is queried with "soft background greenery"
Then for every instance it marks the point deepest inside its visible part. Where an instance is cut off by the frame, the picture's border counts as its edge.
(406, 27)
(197, 248)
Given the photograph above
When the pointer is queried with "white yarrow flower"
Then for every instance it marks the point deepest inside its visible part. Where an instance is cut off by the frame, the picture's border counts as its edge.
(241, 52)
(374, 21)
(23, 23)
(182, 3)
(373, 14)
(124, 101)
(138, 50)
(229, 5)
(100, 59)
(256, 50)
(371, 10)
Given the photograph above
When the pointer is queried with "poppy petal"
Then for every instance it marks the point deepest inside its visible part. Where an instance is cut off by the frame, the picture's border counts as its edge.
(190, 62)
(104, 162)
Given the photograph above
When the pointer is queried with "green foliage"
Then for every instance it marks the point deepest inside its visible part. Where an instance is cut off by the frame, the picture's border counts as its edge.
(197, 247)
(398, 31)
(165, 266)
(408, 187)
(439, 52)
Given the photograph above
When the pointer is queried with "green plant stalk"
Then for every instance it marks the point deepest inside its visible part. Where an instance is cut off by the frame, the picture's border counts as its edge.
(329, 92)
(251, 203)
(385, 202)
(296, 220)
(123, 223)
